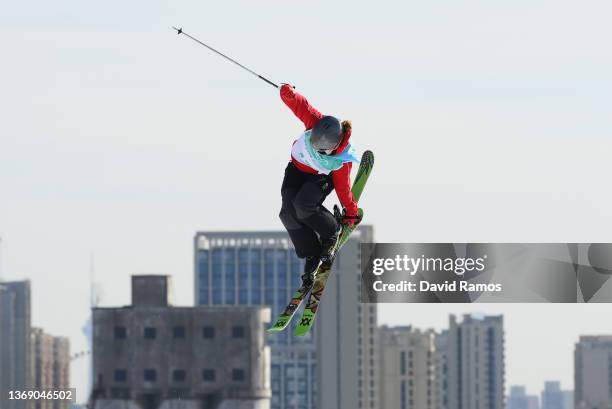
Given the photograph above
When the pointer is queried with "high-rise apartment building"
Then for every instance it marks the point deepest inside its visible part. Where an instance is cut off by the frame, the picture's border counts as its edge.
(441, 388)
(347, 334)
(593, 372)
(406, 368)
(51, 370)
(475, 363)
(15, 342)
(261, 268)
(336, 362)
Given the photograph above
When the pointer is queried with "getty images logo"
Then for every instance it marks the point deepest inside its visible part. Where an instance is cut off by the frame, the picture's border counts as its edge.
(423, 264)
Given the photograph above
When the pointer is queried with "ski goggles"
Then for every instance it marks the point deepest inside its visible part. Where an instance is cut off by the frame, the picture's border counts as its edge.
(325, 151)
(328, 152)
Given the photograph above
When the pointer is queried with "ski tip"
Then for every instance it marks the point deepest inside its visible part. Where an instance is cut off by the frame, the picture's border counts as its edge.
(278, 326)
(306, 323)
(301, 332)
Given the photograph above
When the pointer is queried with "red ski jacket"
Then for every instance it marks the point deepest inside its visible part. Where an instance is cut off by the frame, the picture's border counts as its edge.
(310, 116)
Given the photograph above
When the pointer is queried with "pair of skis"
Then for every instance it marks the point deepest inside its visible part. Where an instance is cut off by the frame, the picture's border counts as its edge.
(322, 274)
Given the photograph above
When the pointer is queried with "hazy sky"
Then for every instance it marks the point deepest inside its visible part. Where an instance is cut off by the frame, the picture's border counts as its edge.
(490, 123)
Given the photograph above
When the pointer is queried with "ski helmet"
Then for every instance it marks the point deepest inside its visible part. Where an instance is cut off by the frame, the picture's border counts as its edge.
(326, 134)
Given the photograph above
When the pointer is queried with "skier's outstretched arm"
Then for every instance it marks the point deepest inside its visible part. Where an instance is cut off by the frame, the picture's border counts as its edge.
(342, 184)
(300, 106)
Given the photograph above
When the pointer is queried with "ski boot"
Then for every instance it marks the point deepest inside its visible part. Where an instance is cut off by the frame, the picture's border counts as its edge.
(310, 266)
(328, 247)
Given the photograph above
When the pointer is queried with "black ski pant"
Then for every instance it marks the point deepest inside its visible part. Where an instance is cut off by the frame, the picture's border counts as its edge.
(307, 221)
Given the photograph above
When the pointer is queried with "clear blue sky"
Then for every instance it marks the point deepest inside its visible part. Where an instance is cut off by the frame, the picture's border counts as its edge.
(490, 122)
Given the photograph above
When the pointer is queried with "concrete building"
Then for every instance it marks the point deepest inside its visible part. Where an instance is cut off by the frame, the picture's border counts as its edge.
(475, 361)
(51, 370)
(518, 399)
(323, 369)
(593, 372)
(151, 355)
(406, 368)
(260, 268)
(347, 334)
(15, 342)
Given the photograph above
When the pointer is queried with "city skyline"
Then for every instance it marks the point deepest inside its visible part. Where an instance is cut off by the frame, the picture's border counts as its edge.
(513, 378)
(489, 121)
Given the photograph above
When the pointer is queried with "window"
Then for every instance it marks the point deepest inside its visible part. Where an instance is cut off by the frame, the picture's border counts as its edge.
(120, 333)
(204, 293)
(179, 375)
(256, 276)
(229, 261)
(150, 375)
(208, 332)
(203, 272)
(238, 331)
(243, 296)
(208, 375)
(178, 332)
(120, 375)
(238, 375)
(296, 272)
(217, 275)
(281, 268)
(269, 268)
(269, 296)
(150, 333)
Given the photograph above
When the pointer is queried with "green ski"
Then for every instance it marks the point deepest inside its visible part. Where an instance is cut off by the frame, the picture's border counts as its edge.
(285, 317)
(322, 274)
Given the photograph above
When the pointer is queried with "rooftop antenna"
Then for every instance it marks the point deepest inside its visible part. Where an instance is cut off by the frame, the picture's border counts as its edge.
(93, 293)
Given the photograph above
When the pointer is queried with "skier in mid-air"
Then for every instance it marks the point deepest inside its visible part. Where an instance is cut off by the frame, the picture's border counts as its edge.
(321, 161)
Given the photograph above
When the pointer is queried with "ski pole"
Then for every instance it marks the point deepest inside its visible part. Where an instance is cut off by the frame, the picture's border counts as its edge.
(180, 31)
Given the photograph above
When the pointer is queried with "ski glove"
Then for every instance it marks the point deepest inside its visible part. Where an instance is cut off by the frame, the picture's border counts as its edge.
(351, 220)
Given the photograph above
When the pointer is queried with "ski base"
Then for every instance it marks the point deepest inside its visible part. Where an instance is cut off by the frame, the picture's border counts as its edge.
(285, 317)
